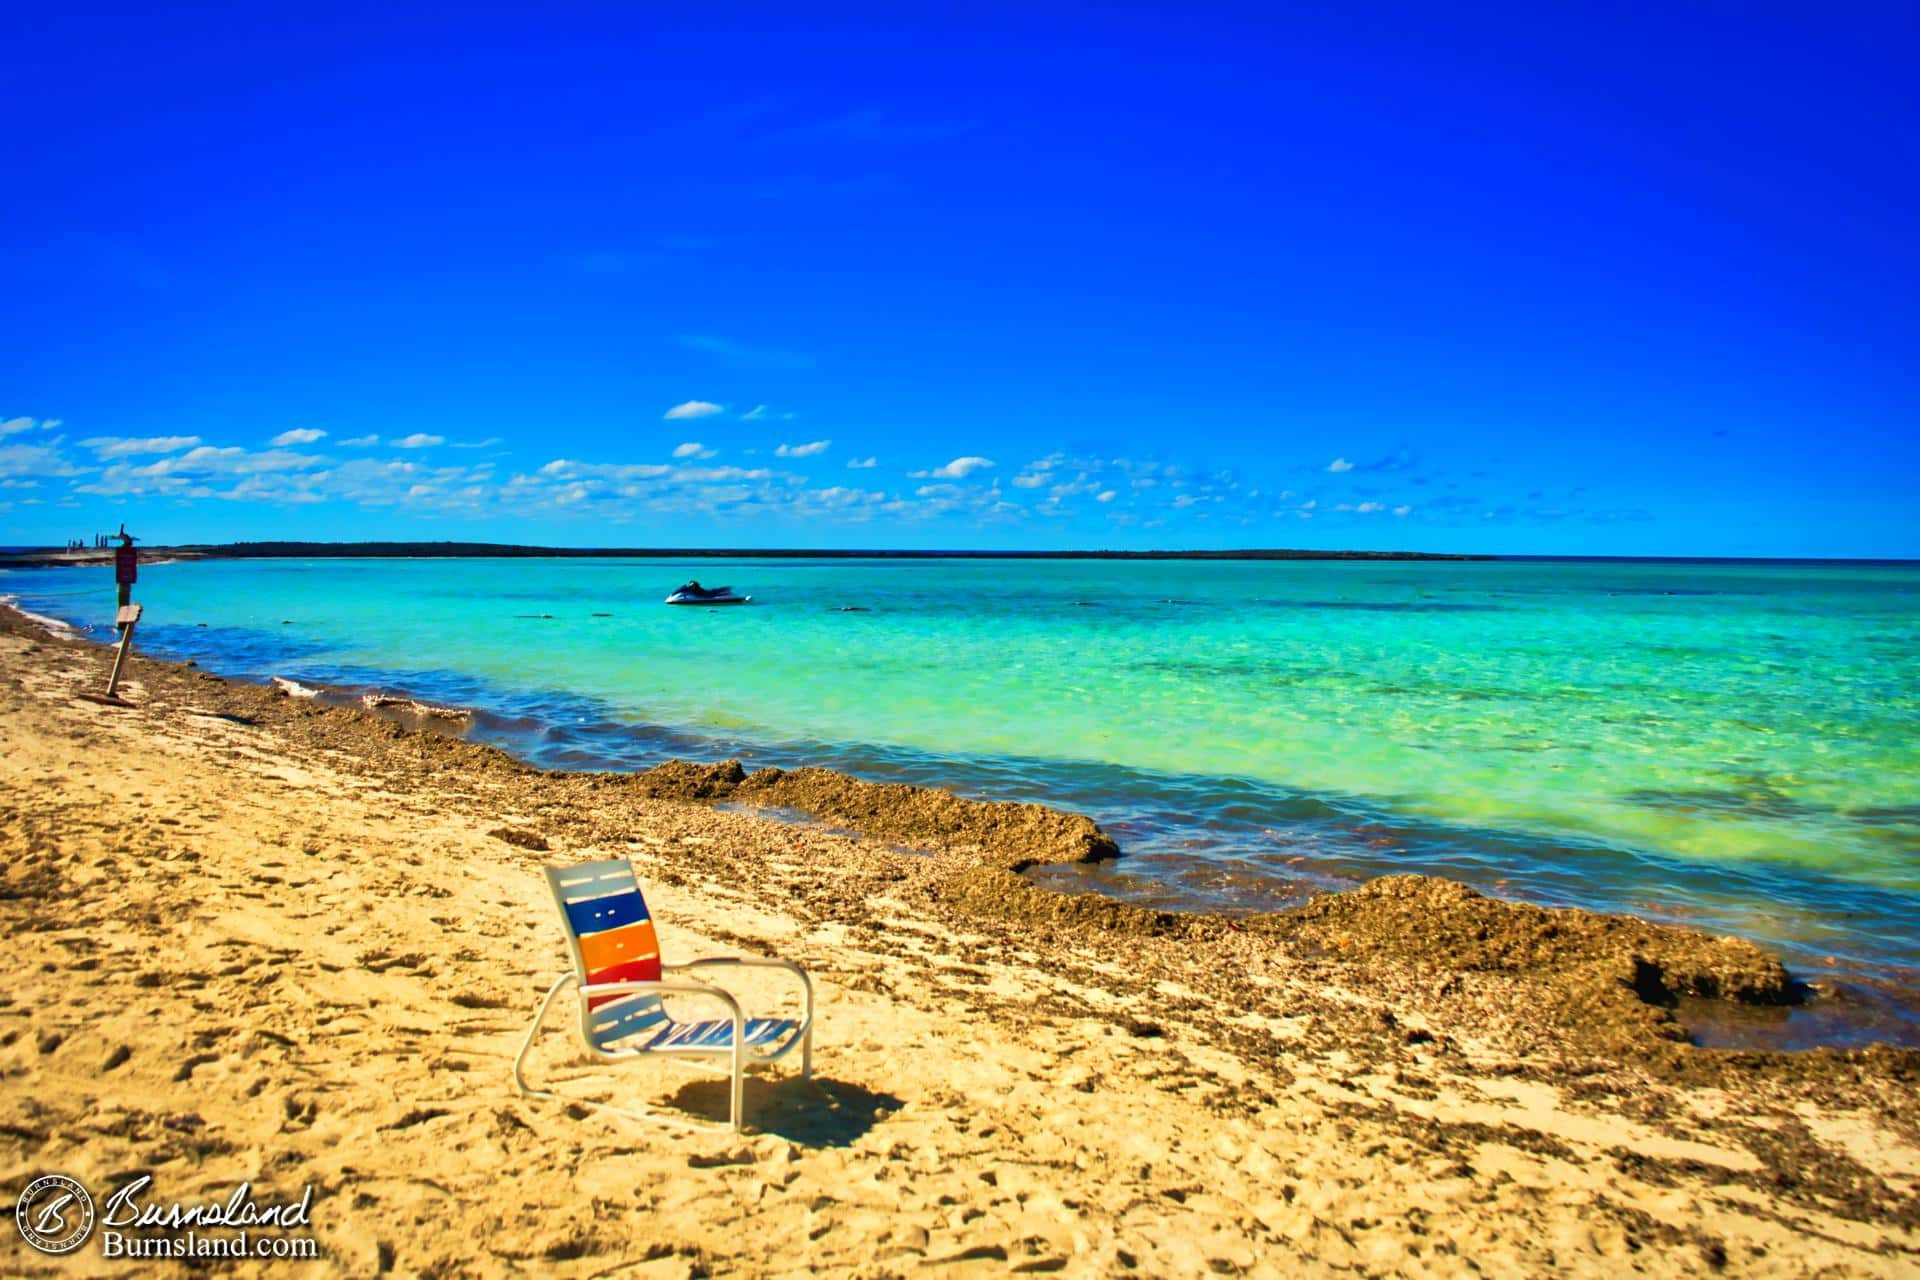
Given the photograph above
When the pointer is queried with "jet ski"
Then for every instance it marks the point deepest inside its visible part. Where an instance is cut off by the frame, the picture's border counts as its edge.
(694, 593)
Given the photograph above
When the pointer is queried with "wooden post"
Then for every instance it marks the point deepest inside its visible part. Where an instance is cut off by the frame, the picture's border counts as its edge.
(126, 571)
(129, 614)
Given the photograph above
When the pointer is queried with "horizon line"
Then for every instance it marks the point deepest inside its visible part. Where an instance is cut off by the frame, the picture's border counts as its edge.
(379, 548)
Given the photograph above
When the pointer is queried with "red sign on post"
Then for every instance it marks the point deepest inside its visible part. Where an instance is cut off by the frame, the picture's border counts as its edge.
(126, 566)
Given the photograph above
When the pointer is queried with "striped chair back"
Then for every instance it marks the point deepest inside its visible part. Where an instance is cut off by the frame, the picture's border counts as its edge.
(612, 939)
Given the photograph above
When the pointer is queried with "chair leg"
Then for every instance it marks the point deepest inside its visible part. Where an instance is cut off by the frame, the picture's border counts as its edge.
(526, 1046)
(739, 1074)
(806, 1052)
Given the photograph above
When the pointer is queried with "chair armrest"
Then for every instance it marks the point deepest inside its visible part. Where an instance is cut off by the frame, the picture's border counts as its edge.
(666, 989)
(753, 962)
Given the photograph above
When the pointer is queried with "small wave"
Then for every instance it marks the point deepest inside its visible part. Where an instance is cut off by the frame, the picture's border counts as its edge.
(293, 688)
(52, 626)
(412, 706)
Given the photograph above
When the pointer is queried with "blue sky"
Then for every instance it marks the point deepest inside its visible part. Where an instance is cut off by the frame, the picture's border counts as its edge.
(1611, 280)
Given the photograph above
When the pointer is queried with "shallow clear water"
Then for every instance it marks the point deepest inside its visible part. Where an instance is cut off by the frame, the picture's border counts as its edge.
(1735, 746)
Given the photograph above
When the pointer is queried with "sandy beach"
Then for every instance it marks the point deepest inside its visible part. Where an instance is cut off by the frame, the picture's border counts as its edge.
(256, 938)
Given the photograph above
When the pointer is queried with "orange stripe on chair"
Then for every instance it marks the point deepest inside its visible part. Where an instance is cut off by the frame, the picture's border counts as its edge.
(618, 946)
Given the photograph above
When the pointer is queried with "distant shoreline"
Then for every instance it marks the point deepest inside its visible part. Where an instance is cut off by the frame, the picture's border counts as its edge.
(511, 551)
(40, 557)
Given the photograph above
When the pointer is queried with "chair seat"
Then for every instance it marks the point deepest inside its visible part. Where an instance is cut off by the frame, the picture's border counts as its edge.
(717, 1035)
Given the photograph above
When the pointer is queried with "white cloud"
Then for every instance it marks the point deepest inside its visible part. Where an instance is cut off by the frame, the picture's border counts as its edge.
(843, 501)
(693, 409)
(567, 469)
(708, 475)
(1038, 474)
(269, 489)
(122, 446)
(761, 413)
(11, 425)
(190, 475)
(958, 469)
(1059, 487)
(33, 460)
(1079, 486)
(1338, 465)
(232, 460)
(742, 354)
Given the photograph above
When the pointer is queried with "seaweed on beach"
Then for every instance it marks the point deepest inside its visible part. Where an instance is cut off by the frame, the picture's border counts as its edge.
(1003, 833)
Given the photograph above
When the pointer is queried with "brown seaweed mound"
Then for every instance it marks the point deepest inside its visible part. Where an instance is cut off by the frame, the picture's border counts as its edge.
(1585, 983)
(1609, 983)
(684, 780)
(1001, 832)
(997, 893)
(1447, 924)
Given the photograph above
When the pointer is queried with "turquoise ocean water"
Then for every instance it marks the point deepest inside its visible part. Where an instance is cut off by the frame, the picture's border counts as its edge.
(1735, 746)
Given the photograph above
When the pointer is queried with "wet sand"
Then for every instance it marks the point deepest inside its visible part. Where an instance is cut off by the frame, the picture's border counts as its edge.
(256, 937)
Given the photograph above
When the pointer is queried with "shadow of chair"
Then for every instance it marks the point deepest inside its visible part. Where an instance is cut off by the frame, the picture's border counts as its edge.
(812, 1112)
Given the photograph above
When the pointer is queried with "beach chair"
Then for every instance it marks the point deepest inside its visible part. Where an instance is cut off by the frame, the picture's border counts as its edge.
(619, 976)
